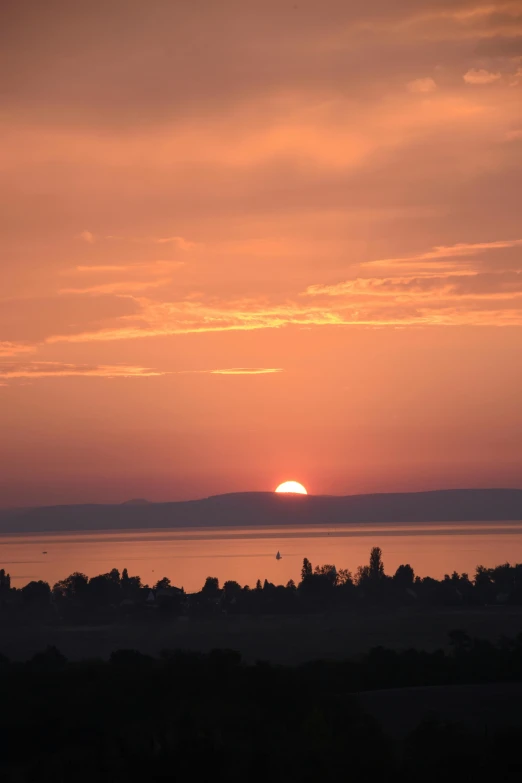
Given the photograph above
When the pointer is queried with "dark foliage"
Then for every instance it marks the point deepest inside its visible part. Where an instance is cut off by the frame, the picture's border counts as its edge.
(112, 597)
(189, 715)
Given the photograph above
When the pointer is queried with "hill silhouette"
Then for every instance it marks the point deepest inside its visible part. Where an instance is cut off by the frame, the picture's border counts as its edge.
(269, 508)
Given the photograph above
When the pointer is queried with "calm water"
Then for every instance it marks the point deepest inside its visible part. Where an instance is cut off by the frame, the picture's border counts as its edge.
(187, 557)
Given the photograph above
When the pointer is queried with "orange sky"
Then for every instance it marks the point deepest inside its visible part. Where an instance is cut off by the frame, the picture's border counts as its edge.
(324, 197)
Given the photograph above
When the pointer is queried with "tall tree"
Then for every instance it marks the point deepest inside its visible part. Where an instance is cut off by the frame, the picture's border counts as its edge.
(376, 564)
(5, 581)
(306, 570)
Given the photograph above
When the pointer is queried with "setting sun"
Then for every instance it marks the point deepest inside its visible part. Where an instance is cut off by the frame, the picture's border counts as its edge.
(292, 486)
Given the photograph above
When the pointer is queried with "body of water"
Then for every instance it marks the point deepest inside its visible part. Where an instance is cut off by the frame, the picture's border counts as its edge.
(187, 557)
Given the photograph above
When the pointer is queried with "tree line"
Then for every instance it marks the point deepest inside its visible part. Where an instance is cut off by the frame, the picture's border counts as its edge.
(323, 587)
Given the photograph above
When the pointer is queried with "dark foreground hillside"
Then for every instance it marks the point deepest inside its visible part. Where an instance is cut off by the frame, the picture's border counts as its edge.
(210, 717)
(280, 639)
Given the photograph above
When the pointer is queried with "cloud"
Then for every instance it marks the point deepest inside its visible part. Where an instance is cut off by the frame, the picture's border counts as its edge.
(156, 270)
(410, 300)
(25, 321)
(161, 319)
(245, 371)
(439, 252)
(422, 85)
(514, 79)
(425, 270)
(12, 349)
(118, 287)
(87, 237)
(476, 285)
(480, 76)
(33, 370)
(395, 290)
(60, 370)
(148, 267)
(178, 241)
(285, 164)
(514, 135)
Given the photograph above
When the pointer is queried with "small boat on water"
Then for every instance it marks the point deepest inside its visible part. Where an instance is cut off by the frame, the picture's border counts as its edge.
(279, 555)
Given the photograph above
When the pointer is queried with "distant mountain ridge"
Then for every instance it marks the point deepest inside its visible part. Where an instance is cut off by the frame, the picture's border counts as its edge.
(269, 508)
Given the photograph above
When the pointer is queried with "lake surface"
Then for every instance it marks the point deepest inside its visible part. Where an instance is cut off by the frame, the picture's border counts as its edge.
(187, 557)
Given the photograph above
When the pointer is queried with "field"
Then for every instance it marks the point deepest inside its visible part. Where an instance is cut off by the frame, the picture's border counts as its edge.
(479, 708)
(279, 639)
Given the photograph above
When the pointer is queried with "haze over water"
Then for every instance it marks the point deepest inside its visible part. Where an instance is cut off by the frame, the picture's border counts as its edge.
(187, 557)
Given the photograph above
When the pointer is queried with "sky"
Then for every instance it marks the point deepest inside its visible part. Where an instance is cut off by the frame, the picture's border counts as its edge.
(243, 242)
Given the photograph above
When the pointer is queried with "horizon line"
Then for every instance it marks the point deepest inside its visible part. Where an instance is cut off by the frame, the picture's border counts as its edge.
(145, 502)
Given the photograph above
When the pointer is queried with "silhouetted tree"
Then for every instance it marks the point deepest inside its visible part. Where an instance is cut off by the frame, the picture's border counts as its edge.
(376, 567)
(324, 569)
(290, 585)
(404, 576)
(130, 585)
(306, 570)
(259, 586)
(104, 590)
(135, 587)
(5, 586)
(232, 590)
(344, 577)
(36, 594)
(5, 580)
(162, 584)
(362, 575)
(131, 660)
(51, 660)
(73, 587)
(211, 587)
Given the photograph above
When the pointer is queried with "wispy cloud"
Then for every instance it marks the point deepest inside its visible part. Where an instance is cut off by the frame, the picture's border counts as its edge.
(118, 287)
(404, 303)
(464, 284)
(181, 243)
(126, 281)
(426, 270)
(233, 371)
(425, 85)
(147, 267)
(87, 236)
(61, 370)
(13, 349)
(419, 288)
(480, 76)
(439, 252)
(159, 319)
(245, 371)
